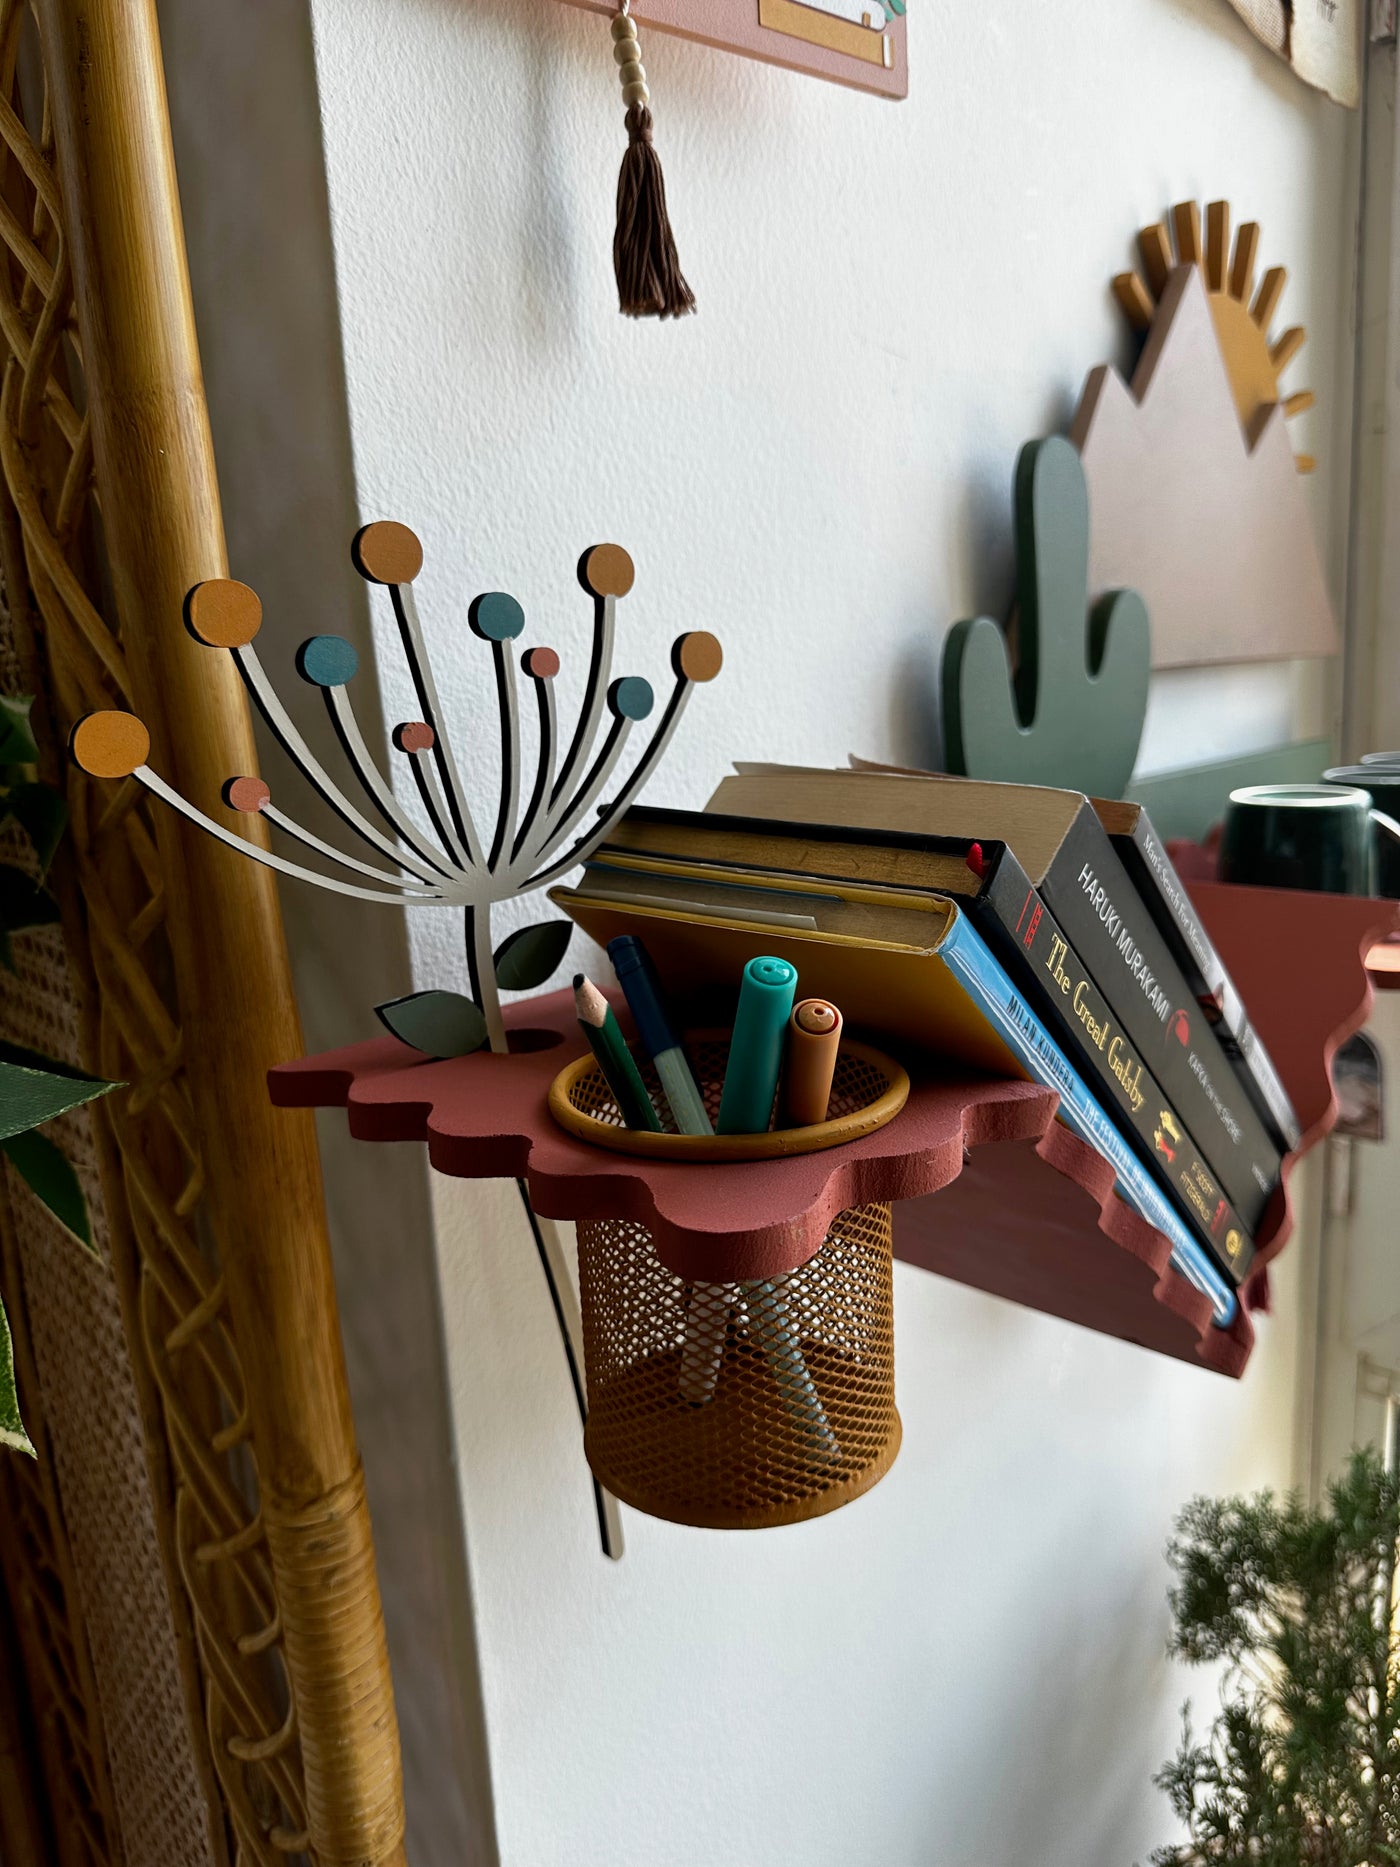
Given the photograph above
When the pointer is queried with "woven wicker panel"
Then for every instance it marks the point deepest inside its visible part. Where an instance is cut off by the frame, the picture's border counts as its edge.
(95, 1441)
(172, 1724)
(739, 1406)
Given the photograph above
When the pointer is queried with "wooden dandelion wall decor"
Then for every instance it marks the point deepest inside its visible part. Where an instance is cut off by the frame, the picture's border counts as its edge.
(536, 832)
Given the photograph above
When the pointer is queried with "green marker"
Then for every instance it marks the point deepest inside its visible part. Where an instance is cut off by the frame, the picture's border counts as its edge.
(756, 1049)
(642, 989)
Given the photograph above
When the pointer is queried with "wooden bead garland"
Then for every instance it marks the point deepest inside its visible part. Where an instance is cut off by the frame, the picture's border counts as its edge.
(650, 283)
(628, 55)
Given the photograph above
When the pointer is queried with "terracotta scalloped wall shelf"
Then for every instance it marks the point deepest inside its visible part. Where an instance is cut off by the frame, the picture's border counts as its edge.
(992, 1191)
(486, 1116)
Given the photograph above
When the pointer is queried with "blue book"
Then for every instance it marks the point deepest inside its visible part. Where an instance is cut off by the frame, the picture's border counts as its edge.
(970, 960)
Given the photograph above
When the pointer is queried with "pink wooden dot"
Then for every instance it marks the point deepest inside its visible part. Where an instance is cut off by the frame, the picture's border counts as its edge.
(541, 664)
(247, 794)
(414, 736)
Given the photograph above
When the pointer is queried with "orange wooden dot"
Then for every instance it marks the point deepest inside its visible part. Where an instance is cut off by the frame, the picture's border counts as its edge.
(223, 613)
(607, 570)
(387, 552)
(110, 745)
(698, 656)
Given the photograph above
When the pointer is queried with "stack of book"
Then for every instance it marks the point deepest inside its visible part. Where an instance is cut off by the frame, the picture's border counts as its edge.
(1022, 930)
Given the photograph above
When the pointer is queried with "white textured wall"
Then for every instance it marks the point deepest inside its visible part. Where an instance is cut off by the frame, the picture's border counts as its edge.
(965, 1668)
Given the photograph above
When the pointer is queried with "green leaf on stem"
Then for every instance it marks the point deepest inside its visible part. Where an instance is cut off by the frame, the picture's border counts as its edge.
(41, 813)
(528, 956)
(23, 903)
(440, 1024)
(48, 1173)
(17, 745)
(12, 1431)
(34, 1088)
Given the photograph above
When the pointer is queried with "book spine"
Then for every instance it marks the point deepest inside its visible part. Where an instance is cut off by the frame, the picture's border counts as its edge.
(972, 964)
(1088, 891)
(1157, 881)
(1058, 988)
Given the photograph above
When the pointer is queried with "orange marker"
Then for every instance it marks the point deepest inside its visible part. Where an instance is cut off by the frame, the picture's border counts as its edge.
(814, 1037)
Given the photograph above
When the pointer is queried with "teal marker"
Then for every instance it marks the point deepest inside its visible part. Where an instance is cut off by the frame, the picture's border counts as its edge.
(756, 1051)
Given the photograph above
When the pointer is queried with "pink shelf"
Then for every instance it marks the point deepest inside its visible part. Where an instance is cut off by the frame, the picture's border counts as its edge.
(485, 1117)
(1031, 1215)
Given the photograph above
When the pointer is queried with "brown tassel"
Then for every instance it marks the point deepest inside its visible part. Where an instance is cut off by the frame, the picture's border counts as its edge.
(650, 283)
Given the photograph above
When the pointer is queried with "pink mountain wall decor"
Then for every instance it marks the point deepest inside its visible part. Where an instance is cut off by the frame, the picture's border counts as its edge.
(1209, 522)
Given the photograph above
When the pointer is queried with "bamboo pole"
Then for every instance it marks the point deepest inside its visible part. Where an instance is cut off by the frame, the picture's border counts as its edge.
(163, 532)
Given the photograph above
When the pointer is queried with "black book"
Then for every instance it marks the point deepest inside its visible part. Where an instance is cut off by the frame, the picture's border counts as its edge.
(1157, 881)
(1017, 925)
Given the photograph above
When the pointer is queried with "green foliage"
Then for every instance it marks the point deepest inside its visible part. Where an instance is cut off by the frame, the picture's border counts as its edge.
(33, 1088)
(441, 1024)
(1302, 1767)
(527, 957)
(12, 1433)
(48, 1173)
(17, 745)
(40, 812)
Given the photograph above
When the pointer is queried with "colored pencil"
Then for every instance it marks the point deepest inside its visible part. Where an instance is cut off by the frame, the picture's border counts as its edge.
(614, 1059)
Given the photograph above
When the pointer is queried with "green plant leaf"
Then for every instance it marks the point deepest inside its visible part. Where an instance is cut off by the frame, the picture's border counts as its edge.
(42, 814)
(23, 903)
(12, 1431)
(48, 1173)
(17, 745)
(33, 1089)
(441, 1024)
(528, 956)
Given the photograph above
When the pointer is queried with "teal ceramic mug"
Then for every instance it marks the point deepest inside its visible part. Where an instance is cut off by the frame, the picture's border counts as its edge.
(1381, 783)
(1317, 836)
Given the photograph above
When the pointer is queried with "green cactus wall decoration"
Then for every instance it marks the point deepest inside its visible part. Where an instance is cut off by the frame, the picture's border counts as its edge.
(1072, 713)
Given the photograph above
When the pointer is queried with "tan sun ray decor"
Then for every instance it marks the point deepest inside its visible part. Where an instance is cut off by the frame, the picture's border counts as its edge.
(1320, 39)
(1254, 359)
(1194, 487)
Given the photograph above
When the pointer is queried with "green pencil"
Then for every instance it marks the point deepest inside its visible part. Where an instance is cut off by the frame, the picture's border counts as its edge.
(614, 1059)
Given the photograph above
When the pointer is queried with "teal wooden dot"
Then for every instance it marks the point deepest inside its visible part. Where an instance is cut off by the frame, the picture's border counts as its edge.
(496, 617)
(327, 661)
(631, 698)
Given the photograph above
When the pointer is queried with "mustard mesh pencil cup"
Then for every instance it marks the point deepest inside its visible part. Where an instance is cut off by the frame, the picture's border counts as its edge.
(748, 1403)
